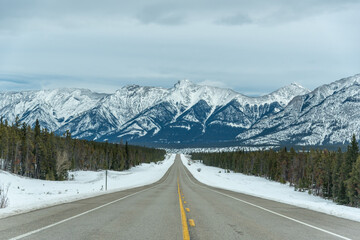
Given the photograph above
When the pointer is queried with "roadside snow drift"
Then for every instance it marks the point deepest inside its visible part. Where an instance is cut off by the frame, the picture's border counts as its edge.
(26, 194)
(261, 187)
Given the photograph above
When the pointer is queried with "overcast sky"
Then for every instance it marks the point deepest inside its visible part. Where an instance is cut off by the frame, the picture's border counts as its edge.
(253, 47)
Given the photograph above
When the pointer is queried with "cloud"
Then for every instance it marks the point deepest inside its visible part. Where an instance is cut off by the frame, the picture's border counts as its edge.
(106, 44)
(213, 83)
(164, 12)
(11, 83)
(238, 19)
(160, 14)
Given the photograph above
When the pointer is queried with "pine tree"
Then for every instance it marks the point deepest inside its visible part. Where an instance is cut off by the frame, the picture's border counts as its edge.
(37, 128)
(37, 138)
(4, 145)
(284, 163)
(24, 151)
(346, 168)
(353, 185)
(351, 155)
(336, 164)
(127, 156)
(17, 122)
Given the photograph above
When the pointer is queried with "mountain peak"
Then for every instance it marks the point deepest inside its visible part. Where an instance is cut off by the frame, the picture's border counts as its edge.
(285, 94)
(293, 88)
(183, 83)
(131, 87)
(295, 84)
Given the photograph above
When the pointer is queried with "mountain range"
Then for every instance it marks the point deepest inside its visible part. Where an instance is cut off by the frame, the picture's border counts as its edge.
(190, 114)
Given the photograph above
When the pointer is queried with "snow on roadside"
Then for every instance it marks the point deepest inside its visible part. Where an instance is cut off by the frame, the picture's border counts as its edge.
(26, 194)
(261, 187)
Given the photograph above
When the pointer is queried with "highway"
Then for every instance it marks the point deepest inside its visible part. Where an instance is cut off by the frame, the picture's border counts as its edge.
(176, 207)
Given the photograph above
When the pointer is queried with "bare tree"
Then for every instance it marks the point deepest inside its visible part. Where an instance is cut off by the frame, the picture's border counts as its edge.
(4, 201)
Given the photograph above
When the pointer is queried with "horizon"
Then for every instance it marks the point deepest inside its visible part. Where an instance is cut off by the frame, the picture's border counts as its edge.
(173, 86)
(175, 82)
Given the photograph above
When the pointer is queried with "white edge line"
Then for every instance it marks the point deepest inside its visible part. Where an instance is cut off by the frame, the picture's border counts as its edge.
(76, 216)
(267, 210)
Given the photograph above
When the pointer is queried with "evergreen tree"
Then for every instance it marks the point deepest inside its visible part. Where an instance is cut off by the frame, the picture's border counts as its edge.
(351, 155)
(336, 164)
(17, 122)
(346, 168)
(24, 151)
(353, 185)
(37, 128)
(127, 156)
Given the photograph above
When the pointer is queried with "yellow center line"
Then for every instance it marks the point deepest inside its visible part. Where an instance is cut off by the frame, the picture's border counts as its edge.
(191, 222)
(185, 227)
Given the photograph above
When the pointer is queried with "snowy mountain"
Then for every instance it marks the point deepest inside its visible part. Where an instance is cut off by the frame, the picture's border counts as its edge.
(113, 111)
(327, 115)
(189, 113)
(53, 108)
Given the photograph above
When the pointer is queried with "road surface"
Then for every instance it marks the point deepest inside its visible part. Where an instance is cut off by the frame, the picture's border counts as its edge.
(176, 207)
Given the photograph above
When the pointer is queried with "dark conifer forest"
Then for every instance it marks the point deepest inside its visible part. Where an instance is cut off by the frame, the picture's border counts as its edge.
(37, 153)
(330, 174)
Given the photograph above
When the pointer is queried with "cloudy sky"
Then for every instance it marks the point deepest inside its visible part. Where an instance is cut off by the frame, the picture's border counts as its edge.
(253, 47)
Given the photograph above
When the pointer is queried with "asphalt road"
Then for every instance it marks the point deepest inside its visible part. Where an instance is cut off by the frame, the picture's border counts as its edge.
(153, 212)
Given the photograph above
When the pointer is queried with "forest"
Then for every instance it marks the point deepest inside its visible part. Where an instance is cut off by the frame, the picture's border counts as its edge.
(37, 153)
(332, 175)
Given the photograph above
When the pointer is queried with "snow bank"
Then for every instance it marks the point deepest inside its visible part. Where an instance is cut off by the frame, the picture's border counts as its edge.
(26, 194)
(261, 187)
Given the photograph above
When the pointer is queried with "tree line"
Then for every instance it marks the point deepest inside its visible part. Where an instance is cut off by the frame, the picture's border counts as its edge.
(38, 153)
(330, 174)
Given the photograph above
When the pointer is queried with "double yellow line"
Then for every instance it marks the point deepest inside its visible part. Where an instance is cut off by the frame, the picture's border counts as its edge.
(186, 235)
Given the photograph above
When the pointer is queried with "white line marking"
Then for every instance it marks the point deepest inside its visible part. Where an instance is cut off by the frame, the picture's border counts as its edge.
(267, 210)
(81, 214)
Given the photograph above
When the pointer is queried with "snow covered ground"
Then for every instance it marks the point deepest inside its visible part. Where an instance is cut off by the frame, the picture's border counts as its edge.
(263, 188)
(26, 194)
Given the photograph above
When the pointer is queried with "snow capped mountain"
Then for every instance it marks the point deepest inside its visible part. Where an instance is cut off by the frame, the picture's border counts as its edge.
(285, 94)
(189, 113)
(327, 115)
(113, 111)
(53, 108)
(188, 94)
